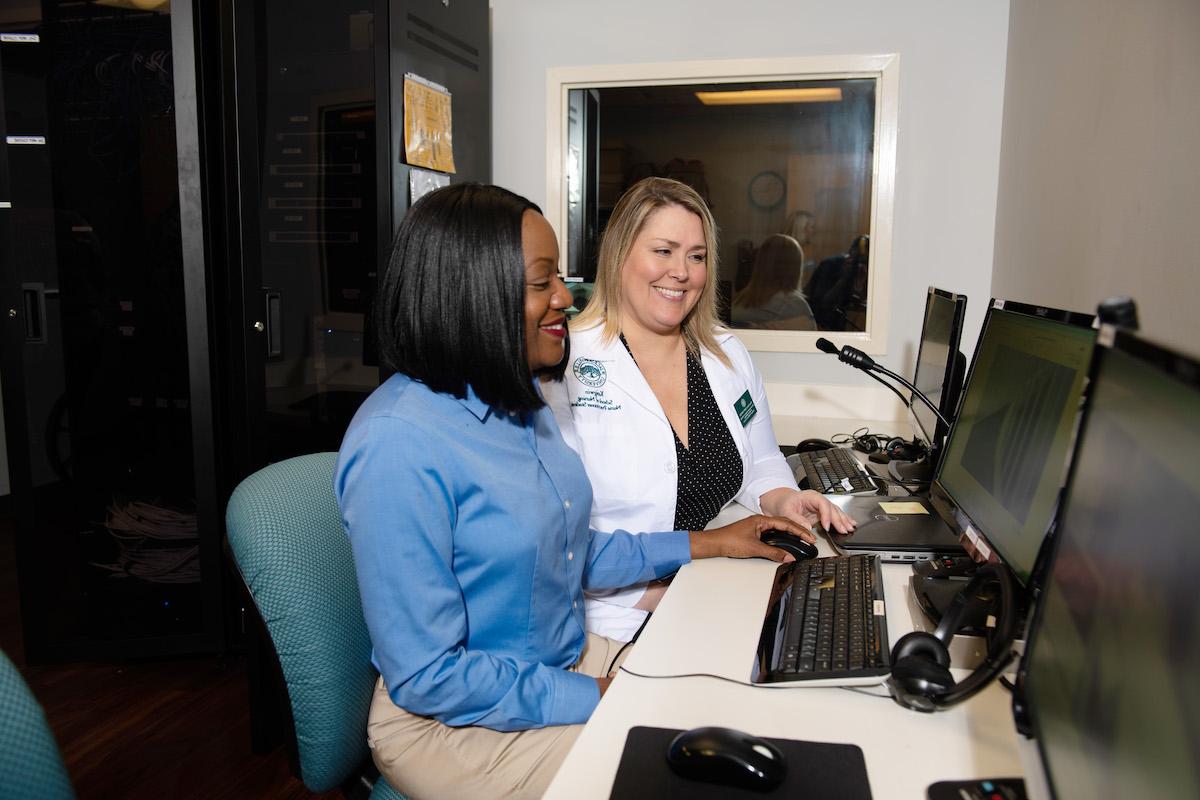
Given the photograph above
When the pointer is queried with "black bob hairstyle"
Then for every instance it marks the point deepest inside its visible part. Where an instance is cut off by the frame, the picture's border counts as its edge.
(451, 307)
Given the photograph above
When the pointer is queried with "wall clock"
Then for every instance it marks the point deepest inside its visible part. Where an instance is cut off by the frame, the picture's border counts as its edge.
(766, 190)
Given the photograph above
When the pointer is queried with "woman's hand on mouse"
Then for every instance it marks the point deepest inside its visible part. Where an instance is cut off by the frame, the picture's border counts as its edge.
(742, 539)
(807, 508)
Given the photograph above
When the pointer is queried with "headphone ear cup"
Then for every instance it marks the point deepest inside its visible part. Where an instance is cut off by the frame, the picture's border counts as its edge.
(901, 450)
(866, 444)
(920, 671)
(921, 676)
(920, 644)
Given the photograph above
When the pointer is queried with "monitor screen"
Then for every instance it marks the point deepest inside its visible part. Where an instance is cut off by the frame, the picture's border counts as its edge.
(935, 373)
(1110, 677)
(1005, 461)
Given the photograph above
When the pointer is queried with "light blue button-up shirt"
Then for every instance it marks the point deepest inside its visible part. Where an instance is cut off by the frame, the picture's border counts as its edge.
(469, 527)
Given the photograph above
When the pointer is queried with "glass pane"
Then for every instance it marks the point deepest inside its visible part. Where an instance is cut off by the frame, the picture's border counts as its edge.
(785, 167)
(318, 217)
(111, 551)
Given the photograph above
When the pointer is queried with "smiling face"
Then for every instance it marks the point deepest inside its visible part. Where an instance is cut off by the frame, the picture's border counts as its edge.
(665, 271)
(545, 294)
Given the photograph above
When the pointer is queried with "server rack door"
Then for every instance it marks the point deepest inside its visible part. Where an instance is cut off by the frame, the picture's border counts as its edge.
(114, 558)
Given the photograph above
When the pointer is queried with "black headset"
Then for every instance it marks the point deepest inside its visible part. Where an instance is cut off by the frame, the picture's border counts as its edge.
(921, 678)
(864, 441)
(898, 449)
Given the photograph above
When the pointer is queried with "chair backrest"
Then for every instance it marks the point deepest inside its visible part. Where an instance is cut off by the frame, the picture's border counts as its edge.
(286, 535)
(30, 763)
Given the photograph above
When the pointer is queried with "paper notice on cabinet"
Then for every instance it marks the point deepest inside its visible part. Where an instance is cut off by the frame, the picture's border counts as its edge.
(428, 139)
(421, 182)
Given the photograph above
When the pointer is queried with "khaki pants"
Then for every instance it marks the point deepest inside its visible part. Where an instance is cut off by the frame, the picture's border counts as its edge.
(422, 758)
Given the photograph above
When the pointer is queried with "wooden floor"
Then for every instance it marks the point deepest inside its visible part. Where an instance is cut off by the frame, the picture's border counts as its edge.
(162, 729)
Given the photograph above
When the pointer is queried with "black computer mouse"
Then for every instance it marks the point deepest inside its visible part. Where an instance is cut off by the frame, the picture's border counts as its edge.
(814, 445)
(789, 542)
(727, 756)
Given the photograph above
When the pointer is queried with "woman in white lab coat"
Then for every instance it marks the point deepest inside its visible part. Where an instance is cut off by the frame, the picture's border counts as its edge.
(665, 407)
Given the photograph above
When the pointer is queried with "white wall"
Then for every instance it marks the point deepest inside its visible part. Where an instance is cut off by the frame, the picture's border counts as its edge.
(952, 62)
(1099, 178)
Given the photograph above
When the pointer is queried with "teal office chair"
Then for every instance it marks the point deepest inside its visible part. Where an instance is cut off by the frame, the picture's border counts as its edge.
(286, 537)
(30, 764)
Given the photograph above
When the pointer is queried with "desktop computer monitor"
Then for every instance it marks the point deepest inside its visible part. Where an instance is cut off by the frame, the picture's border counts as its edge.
(940, 365)
(1109, 678)
(1005, 460)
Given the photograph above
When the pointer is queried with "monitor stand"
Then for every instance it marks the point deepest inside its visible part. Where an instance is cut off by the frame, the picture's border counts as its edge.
(908, 471)
(934, 596)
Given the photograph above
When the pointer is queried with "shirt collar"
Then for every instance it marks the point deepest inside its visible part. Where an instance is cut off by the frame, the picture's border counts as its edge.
(482, 410)
(472, 403)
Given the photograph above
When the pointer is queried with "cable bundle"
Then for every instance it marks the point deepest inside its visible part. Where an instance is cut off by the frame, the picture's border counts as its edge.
(156, 543)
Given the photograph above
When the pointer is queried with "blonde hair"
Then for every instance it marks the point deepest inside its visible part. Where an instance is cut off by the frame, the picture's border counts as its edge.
(777, 267)
(628, 218)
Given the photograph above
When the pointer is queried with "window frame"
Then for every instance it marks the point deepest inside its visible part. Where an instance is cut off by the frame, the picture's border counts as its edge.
(883, 68)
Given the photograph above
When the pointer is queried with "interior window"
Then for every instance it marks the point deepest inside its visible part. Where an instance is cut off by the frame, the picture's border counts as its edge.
(785, 165)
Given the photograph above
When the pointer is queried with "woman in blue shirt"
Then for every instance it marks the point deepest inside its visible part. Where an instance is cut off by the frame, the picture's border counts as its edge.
(468, 515)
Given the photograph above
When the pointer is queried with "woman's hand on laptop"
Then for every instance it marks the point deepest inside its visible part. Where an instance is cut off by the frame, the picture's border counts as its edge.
(806, 507)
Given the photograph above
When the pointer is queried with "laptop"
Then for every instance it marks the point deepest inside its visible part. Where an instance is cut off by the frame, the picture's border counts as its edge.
(896, 528)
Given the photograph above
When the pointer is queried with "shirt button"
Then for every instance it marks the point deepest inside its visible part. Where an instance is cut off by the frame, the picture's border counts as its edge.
(566, 503)
(570, 556)
(668, 467)
(575, 604)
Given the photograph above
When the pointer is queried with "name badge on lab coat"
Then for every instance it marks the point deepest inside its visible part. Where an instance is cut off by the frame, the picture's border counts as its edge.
(745, 409)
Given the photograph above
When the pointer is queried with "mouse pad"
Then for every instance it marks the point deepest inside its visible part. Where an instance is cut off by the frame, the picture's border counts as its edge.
(815, 769)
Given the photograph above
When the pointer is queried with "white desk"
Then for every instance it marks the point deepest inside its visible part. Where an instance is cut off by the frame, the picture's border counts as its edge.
(709, 622)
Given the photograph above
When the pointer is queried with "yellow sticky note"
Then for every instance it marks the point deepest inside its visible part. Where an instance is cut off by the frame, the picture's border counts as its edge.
(903, 508)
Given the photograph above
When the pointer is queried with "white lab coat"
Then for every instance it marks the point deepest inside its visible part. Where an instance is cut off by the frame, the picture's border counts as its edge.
(610, 416)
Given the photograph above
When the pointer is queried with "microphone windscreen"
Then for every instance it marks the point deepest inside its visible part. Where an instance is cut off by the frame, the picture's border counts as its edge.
(826, 346)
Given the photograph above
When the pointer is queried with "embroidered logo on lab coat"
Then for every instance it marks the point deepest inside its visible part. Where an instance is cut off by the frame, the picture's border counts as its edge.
(589, 372)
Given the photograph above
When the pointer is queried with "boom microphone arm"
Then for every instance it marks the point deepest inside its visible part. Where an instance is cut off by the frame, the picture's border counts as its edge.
(826, 346)
(860, 360)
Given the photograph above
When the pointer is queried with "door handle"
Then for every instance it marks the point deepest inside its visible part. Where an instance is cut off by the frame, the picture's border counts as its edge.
(274, 325)
(33, 302)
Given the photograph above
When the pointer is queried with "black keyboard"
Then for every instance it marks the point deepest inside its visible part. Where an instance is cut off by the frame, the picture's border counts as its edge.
(835, 471)
(826, 621)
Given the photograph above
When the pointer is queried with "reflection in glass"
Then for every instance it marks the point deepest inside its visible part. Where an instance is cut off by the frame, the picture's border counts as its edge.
(773, 298)
(110, 543)
(318, 217)
(794, 163)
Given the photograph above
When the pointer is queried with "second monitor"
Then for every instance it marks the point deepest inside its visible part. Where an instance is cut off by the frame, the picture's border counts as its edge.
(940, 366)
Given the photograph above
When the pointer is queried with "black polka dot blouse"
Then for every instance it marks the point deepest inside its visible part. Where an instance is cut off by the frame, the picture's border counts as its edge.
(710, 468)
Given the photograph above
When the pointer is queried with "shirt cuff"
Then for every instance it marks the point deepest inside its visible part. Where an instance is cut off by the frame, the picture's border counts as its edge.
(668, 551)
(575, 700)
